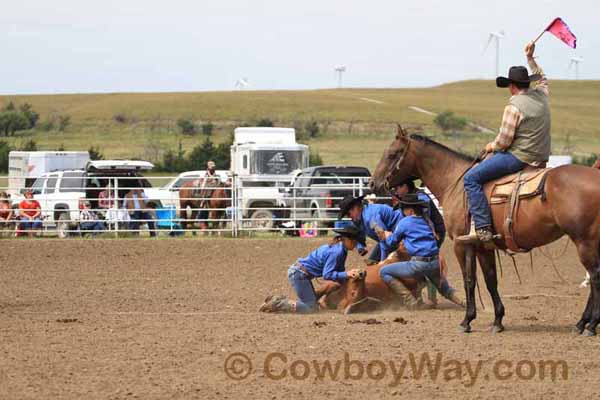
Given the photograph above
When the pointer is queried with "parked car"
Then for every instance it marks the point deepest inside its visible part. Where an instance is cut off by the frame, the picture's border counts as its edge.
(168, 194)
(316, 192)
(60, 192)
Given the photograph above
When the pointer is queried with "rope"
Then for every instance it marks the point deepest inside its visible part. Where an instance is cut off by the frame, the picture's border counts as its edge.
(563, 280)
(512, 257)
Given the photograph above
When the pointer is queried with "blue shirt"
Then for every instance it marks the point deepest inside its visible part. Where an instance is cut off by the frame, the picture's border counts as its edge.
(438, 223)
(328, 261)
(417, 236)
(377, 215)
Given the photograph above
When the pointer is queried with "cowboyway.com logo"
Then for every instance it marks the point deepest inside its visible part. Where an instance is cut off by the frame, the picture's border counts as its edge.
(392, 372)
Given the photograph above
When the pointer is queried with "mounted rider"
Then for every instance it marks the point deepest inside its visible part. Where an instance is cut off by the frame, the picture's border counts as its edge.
(523, 140)
(209, 182)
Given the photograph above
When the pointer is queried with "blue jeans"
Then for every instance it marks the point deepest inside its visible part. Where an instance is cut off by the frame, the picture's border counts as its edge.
(91, 226)
(27, 224)
(418, 270)
(497, 166)
(142, 215)
(307, 299)
(375, 254)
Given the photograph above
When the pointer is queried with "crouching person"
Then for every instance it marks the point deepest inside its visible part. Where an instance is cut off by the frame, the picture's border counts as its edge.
(328, 261)
(421, 245)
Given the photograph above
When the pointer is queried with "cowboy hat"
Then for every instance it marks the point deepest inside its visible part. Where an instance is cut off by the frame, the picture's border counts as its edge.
(351, 232)
(517, 74)
(347, 203)
(411, 200)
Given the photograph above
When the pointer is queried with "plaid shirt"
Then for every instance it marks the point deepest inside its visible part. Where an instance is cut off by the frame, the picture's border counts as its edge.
(87, 215)
(512, 116)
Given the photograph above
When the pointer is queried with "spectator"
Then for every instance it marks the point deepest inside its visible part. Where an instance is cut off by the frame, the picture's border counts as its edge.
(30, 215)
(89, 220)
(105, 200)
(6, 212)
(135, 204)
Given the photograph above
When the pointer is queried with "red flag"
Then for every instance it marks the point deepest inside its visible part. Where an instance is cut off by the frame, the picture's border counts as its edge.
(559, 29)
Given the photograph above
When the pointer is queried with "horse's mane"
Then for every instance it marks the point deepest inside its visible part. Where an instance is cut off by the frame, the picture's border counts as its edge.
(440, 146)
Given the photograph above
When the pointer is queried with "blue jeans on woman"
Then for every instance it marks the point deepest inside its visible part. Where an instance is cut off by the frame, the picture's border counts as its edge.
(418, 270)
(27, 224)
(305, 292)
(497, 166)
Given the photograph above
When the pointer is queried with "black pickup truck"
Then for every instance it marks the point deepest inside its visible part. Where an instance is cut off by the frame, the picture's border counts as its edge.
(315, 193)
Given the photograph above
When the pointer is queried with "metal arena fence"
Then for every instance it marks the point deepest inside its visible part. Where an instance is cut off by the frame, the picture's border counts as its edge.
(75, 204)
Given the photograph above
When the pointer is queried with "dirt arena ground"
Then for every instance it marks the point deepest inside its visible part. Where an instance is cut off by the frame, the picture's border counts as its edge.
(157, 319)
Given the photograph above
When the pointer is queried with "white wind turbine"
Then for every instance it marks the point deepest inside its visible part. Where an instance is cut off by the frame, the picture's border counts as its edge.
(339, 70)
(574, 61)
(242, 84)
(495, 36)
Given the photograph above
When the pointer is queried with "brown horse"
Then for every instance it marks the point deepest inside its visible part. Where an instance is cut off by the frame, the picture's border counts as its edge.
(597, 164)
(194, 196)
(570, 205)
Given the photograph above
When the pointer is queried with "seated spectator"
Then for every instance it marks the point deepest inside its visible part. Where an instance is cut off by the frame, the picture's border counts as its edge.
(6, 212)
(30, 215)
(135, 204)
(89, 220)
(105, 198)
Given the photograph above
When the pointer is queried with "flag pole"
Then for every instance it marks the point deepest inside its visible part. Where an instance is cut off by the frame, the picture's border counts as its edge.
(539, 36)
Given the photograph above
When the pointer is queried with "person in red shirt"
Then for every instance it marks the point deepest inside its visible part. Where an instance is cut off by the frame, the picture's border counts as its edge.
(30, 214)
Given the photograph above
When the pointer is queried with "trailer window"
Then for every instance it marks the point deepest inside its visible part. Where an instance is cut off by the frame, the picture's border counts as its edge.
(72, 182)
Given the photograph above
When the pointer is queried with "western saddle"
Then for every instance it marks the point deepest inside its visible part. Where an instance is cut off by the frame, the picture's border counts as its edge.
(510, 190)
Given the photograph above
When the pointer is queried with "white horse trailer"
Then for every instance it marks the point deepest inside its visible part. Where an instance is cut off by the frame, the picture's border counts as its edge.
(25, 166)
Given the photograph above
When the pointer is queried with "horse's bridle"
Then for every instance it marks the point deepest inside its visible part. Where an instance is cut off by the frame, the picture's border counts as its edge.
(397, 166)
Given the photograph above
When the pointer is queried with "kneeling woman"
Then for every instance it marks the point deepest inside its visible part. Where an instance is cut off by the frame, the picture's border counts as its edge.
(328, 261)
(419, 240)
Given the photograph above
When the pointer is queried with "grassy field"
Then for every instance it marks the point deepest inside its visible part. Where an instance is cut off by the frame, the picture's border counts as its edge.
(355, 123)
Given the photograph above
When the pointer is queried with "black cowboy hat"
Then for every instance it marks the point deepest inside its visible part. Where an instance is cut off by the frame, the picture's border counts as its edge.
(347, 203)
(516, 75)
(351, 232)
(411, 200)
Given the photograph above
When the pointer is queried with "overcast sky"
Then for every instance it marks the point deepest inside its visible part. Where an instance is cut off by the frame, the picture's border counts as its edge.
(66, 46)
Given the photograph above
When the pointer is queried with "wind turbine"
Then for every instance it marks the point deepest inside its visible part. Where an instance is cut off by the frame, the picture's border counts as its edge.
(339, 70)
(241, 84)
(575, 61)
(495, 36)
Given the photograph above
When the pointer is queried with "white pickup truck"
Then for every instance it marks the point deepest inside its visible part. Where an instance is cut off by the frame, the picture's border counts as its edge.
(60, 192)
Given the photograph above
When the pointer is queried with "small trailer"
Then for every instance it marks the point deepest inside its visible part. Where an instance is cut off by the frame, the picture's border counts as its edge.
(24, 167)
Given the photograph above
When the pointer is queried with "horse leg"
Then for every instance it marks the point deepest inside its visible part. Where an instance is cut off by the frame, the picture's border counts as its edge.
(487, 260)
(589, 254)
(466, 258)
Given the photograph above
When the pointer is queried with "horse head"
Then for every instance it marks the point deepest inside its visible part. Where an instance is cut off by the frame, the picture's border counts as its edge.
(396, 165)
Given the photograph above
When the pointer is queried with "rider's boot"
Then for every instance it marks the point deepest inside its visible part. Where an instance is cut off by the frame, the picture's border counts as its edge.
(478, 235)
(402, 292)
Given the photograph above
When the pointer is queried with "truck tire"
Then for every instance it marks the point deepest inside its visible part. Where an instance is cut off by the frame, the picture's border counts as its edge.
(63, 225)
(262, 219)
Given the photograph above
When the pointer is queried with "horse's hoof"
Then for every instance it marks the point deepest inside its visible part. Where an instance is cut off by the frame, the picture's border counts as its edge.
(496, 329)
(588, 333)
(578, 329)
(464, 329)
